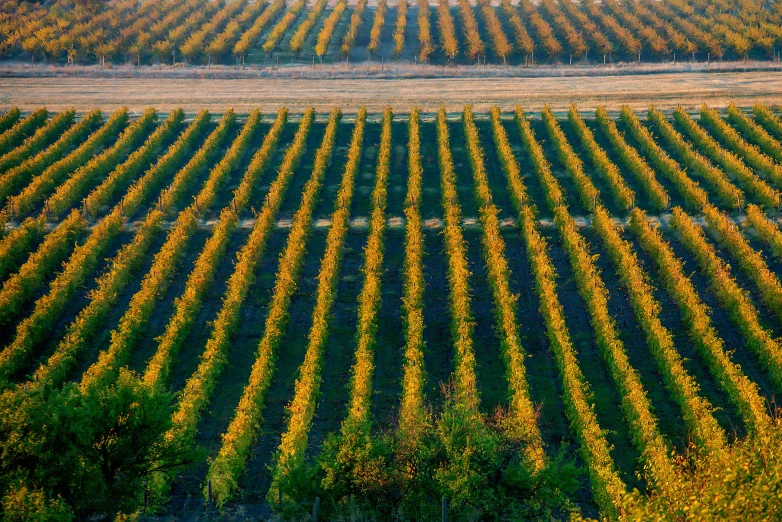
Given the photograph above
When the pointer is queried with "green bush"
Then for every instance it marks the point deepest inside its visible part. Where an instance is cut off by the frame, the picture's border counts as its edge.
(30, 505)
(96, 450)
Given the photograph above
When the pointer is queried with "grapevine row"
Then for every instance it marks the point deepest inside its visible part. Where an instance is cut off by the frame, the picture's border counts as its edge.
(768, 231)
(750, 153)
(187, 305)
(641, 169)
(608, 487)
(290, 454)
(132, 324)
(750, 182)
(462, 323)
(522, 409)
(768, 119)
(125, 264)
(25, 283)
(230, 461)
(14, 179)
(42, 138)
(412, 413)
(749, 260)
(573, 164)
(698, 164)
(742, 392)
(57, 172)
(635, 403)
(683, 387)
(356, 428)
(624, 195)
(770, 147)
(16, 135)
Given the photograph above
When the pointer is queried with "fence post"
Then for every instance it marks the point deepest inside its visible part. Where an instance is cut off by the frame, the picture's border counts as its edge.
(444, 509)
(315, 509)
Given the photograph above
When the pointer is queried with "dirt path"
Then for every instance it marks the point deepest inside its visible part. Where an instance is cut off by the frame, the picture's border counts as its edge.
(665, 90)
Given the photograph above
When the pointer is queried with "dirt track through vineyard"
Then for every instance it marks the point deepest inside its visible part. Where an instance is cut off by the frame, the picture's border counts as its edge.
(664, 90)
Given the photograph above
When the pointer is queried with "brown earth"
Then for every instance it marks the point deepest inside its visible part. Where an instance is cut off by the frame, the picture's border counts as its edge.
(664, 90)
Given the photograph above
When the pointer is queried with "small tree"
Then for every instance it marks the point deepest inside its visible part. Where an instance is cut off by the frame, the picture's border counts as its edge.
(95, 449)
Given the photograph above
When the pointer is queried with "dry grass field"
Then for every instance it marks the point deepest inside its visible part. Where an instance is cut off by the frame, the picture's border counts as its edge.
(664, 90)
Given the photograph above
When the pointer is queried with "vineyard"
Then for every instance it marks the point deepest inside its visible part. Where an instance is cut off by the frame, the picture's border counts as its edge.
(517, 313)
(273, 33)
